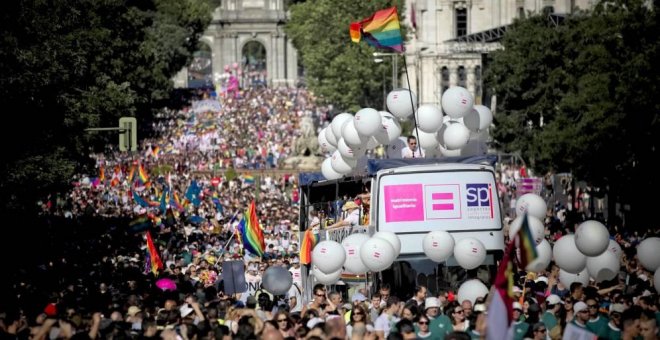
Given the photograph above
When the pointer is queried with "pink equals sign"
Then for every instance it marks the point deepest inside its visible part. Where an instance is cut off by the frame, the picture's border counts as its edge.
(436, 196)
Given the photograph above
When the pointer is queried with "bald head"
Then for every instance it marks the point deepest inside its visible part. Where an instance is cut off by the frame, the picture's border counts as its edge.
(272, 334)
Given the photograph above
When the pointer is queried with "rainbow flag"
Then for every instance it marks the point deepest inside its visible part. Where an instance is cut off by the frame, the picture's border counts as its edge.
(156, 263)
(310, 239)
(139, 200)
(525, 241)
(252, 236)
(249, 179)
(102, 174)
(142, 174)
(381, 30)
(500, 310)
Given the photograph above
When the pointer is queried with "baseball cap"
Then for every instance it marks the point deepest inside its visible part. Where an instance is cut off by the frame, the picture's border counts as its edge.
(541, 279)
(517, 305)
(185, 310)
(617, 308)
(579, 306)
(359, 297)
(553, 299)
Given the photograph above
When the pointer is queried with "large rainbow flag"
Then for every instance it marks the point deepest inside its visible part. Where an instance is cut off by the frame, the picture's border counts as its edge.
(525, 241)
(155, 263)
(381, 30)
(252, 236)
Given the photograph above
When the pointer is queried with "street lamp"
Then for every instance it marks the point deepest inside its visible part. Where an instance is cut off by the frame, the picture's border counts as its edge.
(395, 60)
(378, 61)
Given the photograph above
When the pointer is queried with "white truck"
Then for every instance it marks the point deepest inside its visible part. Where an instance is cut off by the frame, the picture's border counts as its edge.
(413, 197)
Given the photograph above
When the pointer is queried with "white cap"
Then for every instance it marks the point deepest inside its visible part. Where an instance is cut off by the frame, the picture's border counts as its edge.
(517, 289)
(517, 305)
(553, 300)
(431, 302)
(541, 279)
(579, 306)
(185, 310)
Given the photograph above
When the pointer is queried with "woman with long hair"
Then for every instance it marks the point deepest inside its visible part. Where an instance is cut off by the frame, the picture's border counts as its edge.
(457, 316)
(284, 323)
(423, 324)
(359, 316)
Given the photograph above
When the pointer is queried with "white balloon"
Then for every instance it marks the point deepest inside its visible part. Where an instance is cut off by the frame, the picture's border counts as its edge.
(426, 140)
(478, 119)
(327, 170)
(351, 136)
(567, 256)
(377, 254)
(352, 245)
(449, 153)
(349, 152)
(656, 280)
(395, 147)
(533, 204)
(277, 280)
(469, 252)
(399, 103)
(592, 238)
(338, 122)
(471, 290)
(323, 143)
(330, 136)
(544, 251)
(342, 165)
(567, 278)
(367, 121)
(457, 102)
(536, 227)
(392, 238)
(456, 136)
(648, 252)
(328, 256)
(615, 249)
(326, 279)
(429, 118)
(438, 245)
(391, 128)
(603, 267)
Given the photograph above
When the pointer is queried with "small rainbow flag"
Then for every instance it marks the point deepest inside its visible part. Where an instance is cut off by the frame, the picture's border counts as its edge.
(525, 241)
(102, 174)
(252, 236)
(142, 174)
(156, 263)
(310, 239)
(249, 179)
(381, 30)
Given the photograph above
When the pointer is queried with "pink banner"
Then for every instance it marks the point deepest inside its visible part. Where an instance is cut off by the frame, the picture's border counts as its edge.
(404, 203)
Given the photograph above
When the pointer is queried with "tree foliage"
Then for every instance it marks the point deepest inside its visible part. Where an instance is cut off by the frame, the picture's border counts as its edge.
(582, 96)
(339, 71)
(72, 65)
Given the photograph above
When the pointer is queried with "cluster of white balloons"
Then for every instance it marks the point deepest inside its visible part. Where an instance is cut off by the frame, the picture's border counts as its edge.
(348, 137)
(357, 254)
(439, 245)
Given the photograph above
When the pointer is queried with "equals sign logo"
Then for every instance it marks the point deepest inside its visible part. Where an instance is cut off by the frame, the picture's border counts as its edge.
(323, 250)
(376, 254)
(475, 250)
(435, 244)
(351, 252)
(443, 196)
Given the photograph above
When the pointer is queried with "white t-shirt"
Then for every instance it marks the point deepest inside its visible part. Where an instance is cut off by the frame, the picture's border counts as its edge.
(296, 275)
(296, 291)
(383, 323)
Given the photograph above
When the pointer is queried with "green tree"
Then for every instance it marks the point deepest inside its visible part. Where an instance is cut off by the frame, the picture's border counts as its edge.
(582, 96)
(71, 65)
(337, 70)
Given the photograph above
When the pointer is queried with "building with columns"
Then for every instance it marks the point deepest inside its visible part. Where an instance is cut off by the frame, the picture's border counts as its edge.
(451, 38)
(447, 46)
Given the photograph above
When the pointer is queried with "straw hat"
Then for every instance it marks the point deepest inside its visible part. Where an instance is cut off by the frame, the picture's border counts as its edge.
(349, 205)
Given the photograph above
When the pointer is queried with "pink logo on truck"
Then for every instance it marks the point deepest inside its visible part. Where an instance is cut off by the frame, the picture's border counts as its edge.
(404, 203)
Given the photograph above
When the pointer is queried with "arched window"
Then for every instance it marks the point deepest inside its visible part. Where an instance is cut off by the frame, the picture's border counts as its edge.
(462, 77)
(477, 81)
(444, 78)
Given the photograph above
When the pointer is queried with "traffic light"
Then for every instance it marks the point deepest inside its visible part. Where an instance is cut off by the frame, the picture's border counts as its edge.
(127, 134)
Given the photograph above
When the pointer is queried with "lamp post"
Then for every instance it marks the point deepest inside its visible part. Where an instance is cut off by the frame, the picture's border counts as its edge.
(395, 61)
(378, 61)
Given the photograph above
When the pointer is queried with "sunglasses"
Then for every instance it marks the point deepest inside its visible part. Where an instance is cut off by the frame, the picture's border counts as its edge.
(593, 306)
(541, 330)
(458, 311)
(282, 320)
(323, 295)
(356, 313)
(423, 322)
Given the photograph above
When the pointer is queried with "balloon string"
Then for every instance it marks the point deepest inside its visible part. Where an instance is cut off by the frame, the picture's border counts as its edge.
(419, 145)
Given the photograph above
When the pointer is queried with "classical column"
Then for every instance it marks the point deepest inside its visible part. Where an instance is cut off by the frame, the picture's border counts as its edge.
(470, 79)
(453, 73)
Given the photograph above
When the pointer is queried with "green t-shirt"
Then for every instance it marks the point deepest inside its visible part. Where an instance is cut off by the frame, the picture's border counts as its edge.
(440, 327)
(519, 330)
(598, 326)
(549, 320)
(612, 333)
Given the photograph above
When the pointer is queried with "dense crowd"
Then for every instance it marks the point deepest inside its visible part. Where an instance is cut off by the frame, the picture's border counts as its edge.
(181, 189)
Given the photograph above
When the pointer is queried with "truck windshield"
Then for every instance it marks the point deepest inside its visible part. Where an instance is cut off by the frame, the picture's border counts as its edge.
(411, 271)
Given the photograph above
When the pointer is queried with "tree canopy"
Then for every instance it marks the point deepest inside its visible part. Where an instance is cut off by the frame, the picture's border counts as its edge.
(339, 71)
(72, 65)
(582, 96)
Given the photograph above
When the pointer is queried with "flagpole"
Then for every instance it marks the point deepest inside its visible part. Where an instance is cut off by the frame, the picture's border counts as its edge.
(405, 64)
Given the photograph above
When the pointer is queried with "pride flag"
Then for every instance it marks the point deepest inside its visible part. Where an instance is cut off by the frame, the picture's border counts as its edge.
(381, 30)
(525, 242)
(309, 241)
(249, 179)
(500, 309)
(156, 263)
(252, 236)
(142, 174)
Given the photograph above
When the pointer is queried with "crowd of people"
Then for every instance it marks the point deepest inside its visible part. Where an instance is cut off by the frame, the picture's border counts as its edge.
(188, 189)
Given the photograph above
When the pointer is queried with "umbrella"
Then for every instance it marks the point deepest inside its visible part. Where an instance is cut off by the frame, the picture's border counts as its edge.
(166, 284)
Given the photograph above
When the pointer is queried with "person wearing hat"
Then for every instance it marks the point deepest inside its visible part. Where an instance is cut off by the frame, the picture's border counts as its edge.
(520, 327)
(581, 315)
(552, 306)
(440, 325)
(352, 219)
(613, 330)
